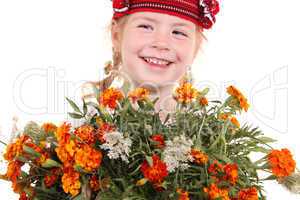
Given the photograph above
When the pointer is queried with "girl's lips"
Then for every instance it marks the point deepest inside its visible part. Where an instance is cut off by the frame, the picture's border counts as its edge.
(157, 63)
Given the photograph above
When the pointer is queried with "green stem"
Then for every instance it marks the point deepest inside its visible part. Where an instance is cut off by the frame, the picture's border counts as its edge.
(201, 126)
(3, 143)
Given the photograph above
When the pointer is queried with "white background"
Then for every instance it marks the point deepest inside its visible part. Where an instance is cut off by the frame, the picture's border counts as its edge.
(49, 48)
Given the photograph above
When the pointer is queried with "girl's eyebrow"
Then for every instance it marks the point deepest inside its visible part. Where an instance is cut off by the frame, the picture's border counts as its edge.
(145, 18)
(182, 24)
(156, 21)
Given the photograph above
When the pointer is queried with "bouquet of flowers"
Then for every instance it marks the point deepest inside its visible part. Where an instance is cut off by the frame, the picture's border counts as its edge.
(125, 151)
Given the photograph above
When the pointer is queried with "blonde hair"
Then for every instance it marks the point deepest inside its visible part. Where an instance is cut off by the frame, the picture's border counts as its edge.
(112, 68)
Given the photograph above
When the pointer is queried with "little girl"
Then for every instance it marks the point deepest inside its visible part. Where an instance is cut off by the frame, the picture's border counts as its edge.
(155, 42)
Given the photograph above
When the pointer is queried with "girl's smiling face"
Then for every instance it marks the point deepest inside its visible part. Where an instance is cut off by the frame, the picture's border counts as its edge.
(156, 48)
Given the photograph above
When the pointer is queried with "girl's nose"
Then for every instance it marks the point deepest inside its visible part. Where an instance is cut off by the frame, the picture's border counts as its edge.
(160, 41)
(160, 45)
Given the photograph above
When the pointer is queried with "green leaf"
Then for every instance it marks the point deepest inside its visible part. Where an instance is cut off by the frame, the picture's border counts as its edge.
(49, 163)
(136, 170)
(3, 143)
(269, 178)
(260, 149)
(22, 159)
(224, 158)
(205, 91)
(167, 118)
(149, 160)
(78, 168)
(75, 115)
(93, 104)
(126, 87)
(84, 107)
(73, 105)
(78, 197)
(155, 100)
(31, 151)
(32, 129)
(103, 113)
(266, 139)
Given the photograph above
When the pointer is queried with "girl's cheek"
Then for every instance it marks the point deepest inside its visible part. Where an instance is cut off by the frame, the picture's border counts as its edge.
(137, 37)
(184, 47)
(185, 42)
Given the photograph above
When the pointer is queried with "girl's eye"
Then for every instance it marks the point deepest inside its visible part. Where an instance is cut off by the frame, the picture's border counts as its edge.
(180, 33)
(145, 26)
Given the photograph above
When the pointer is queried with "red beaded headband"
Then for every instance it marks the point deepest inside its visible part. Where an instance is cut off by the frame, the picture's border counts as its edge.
(200, 12)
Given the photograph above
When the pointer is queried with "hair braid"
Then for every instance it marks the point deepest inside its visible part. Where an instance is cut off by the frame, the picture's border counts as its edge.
(111, 70)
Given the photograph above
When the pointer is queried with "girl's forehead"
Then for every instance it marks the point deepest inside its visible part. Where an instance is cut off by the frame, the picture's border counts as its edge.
(160, 18)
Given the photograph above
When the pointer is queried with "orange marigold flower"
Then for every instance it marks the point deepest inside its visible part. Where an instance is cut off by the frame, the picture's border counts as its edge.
(64, 156)
(63, 133)
(109, 97)
(183, 195)
(104, 128)
(13, 173)
(67, 148)
(239, 96)
(71, 181)
(66, 152)
(95, 183)
(235, 121)
(139, 94)
(185, 93)
(155, 173)
(51, 178)
(88, 158)
(227, 172)
(71, 147)
(281, 162)
(203, 101)
(215, 168)
(24, 196)
(14, 170)
(231, 173)
(11, 152)
(86, 133)
(159, 139)
(248, 194)
(43, 155)
(214, 193)
(49, 127)
(223, 116)
(15, 149)
(199, 157)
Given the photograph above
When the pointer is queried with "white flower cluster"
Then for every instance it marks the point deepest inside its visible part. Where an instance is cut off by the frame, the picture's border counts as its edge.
(117, 145)
(177, 153)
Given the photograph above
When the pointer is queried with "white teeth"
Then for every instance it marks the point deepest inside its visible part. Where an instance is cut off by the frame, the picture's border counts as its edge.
(156, 61)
